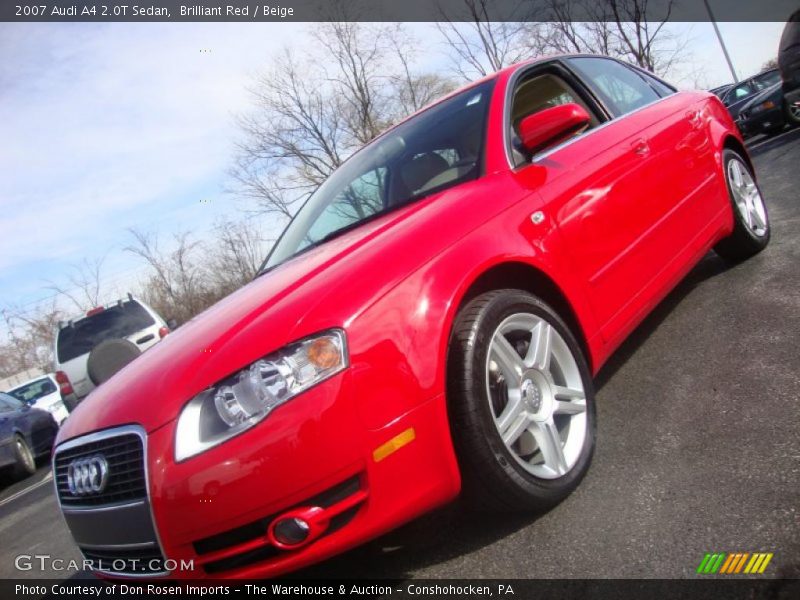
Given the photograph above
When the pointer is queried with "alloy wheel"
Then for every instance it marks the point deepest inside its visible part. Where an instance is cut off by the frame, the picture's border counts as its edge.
(25, 454)
(536, 395)
(747, 197)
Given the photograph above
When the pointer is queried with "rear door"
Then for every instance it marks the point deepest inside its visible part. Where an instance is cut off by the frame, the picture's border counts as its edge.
(656, 214)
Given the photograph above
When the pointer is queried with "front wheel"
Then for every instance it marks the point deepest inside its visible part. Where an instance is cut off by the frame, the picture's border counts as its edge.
(521, 403)
(25, 464)
(751, 229)
(792, 112)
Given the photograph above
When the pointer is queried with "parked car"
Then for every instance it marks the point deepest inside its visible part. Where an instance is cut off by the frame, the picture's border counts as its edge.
(764, 113)
(43, 393)
(428, 323)
(26, 433)
(720, 91)
(121, 330)
(740, 94)
(789, 64)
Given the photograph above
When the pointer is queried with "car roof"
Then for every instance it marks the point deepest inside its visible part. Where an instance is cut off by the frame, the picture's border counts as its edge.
(496, 75)
(50, 376)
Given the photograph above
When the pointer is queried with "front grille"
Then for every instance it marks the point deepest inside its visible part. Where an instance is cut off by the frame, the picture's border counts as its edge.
(127, 561)
(113, 528)
(126, 480)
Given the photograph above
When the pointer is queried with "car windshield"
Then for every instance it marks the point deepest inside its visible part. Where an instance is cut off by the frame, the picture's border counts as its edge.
(762, 82)
(439, 148)
(31, 392)
(118, 321)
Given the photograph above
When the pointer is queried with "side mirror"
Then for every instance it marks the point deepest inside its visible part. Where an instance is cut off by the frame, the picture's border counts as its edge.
(551, 126)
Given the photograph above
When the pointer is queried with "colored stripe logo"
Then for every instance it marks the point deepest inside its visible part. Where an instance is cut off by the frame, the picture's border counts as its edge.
(734, 563)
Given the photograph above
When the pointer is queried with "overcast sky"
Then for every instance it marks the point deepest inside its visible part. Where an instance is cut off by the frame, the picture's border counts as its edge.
(106, 127)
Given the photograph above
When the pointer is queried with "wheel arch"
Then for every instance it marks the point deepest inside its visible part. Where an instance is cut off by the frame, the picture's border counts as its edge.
(731, 142)
(524, 276)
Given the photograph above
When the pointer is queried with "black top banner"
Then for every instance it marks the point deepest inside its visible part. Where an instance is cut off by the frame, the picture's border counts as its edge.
(395, 10)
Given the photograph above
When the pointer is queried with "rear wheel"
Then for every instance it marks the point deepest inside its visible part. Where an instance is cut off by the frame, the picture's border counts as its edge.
(792, 112)
(521, 403)
(25, 464)
(751, 229)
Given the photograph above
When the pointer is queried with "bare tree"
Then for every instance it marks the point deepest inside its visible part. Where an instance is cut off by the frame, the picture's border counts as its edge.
(311, 113)
(479, 45)
(30, 338)
(178, 284)
(632, 30)
(84, 284)
(236, 256)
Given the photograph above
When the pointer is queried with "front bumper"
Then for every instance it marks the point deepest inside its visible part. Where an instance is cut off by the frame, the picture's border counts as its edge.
(761, 122)
(213, 511)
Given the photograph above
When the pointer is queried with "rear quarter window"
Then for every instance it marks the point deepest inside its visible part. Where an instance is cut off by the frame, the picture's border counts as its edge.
(114, 322)
(622, 89)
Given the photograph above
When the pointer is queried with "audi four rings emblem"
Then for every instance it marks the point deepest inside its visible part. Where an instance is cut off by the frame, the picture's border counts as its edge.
(87, 475)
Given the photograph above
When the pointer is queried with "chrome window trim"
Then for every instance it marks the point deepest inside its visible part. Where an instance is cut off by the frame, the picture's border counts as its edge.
(102, 435)
(100, 508)
(120, 546)
(512, 82)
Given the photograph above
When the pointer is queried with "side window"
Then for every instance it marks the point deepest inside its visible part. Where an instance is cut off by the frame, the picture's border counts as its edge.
(739, 92)
(364, 197)
(621, 88)
(9, 403)
(537, 92)
(661, 88)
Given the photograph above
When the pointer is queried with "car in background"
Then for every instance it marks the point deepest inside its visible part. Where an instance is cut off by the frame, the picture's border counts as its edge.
(741, 93)
(26, 434)
(116, 333)
(720, 91)
(43, 393)
(789, 64)
(429, 322)
(766, 112)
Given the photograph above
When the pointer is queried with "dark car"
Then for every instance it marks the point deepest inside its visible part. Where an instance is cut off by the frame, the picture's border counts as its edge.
(721, 90)
(789, 64)
(766, 112)
(741, 93)
(26, 433)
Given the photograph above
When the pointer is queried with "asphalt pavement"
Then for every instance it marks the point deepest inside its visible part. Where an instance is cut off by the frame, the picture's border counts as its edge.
(698, 444)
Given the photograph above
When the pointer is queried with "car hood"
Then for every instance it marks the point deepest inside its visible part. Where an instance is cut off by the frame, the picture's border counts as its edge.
(773, 92)
(259, 318)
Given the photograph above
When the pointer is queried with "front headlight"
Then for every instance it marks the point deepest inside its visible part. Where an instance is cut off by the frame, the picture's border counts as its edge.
(238, 402)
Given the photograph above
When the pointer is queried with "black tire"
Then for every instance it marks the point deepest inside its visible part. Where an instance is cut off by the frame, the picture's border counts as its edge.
(742, 243)
(791, 119)
(492, 478)
(25, 464)
(108, 357)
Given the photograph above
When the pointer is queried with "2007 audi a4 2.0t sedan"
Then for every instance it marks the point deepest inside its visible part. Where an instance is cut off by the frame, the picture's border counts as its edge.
(427, 325)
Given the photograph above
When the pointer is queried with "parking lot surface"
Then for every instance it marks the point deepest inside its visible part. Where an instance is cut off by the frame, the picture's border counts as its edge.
(698, 447)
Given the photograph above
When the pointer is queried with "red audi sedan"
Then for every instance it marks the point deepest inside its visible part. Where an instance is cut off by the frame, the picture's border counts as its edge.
(427, 325)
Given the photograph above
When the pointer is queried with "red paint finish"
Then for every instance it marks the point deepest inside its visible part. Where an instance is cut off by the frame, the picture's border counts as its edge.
(626, 210)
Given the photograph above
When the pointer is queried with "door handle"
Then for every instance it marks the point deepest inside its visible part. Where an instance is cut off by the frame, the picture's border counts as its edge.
(695, 118)
(641, 147)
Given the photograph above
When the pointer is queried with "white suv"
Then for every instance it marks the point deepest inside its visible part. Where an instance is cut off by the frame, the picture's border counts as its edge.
(127, 319)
